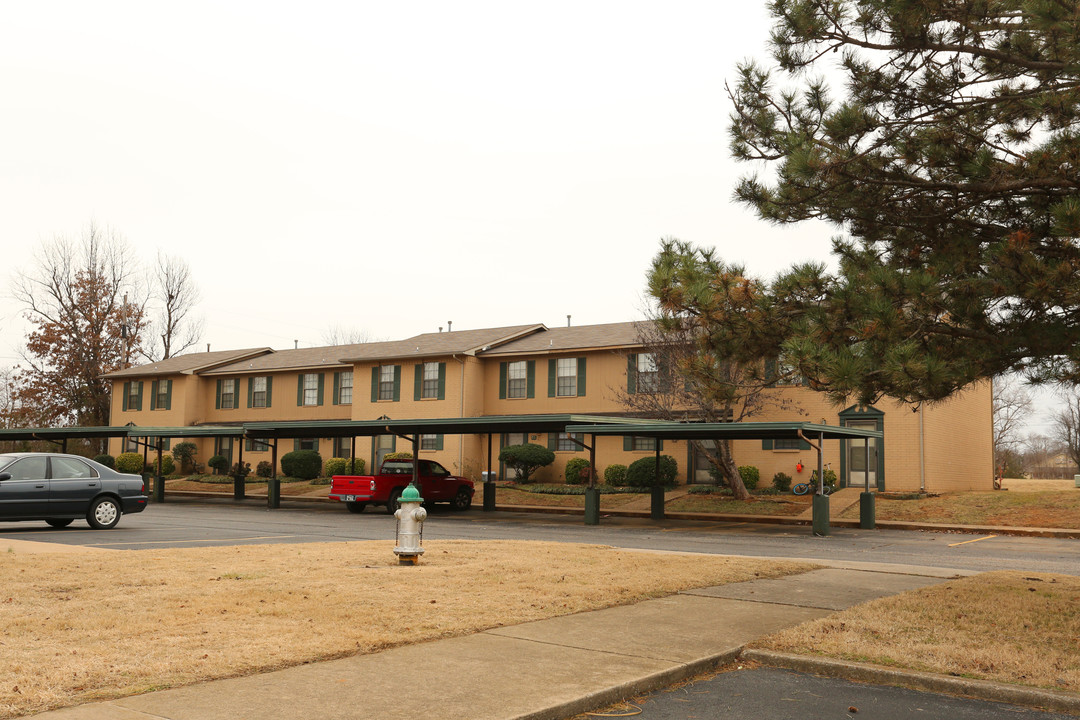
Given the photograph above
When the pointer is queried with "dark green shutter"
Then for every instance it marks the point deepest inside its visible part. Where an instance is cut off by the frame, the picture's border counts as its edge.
(627, 442)
(300, 390)
(251, 390)
(442, 381)
(153, 395)
(319, 400)
(439, 442)
(766, 444)
(269, 387)
(551, 377)
(375, 384)
(581, 377)
(337, 389)
(138, 400)
(803, 445)
(418, 381)
(530, 379)
(217, 401)
(168, 395)
(127, 394)
(553, 441)
(296, 444)
(631, 373)
(397, 383)
(502, 380)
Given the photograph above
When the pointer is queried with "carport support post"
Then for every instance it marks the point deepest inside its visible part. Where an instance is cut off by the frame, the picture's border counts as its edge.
(489, 483)
(238, 478)
(657, 490)
(159, 479)
(592, 493)
(821, 500)
(866, 498)
(273, 486)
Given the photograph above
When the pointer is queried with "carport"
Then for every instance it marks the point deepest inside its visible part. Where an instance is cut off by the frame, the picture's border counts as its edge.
(813, 433)
(154, 436)
(411, 430)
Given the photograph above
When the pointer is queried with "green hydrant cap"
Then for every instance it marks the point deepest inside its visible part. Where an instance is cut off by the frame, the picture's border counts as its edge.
(411, 494)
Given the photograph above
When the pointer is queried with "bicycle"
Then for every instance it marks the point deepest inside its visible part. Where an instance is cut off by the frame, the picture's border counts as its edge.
(810, 487)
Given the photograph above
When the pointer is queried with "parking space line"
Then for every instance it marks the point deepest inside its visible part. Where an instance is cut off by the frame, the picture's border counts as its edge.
(177, 542)
(971, 541)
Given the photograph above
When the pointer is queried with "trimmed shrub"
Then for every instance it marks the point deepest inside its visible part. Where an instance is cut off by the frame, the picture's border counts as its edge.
(303, 464)
(781, 481)
(750, 475)
(264, 469)
(168, 467)
(526, 459)
(107, 460)
(129, 463)
(342, 466)
(615, 474)
(184, 455)
(218, 463)
(577, 471)
(642, 472)
(239, 471)
(398, 456)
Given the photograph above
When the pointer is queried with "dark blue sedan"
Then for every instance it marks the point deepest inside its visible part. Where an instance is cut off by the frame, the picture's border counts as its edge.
(61, 488)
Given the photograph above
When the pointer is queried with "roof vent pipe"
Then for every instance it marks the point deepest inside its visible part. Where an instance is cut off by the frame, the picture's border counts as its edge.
(567, 321)
(449, 323)
(440, 328)
(295, 344)
(207, 347)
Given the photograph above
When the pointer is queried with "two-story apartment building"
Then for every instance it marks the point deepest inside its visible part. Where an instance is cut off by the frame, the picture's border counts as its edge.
(529, 370)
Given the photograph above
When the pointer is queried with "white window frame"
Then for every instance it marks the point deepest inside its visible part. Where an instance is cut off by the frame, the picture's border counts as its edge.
(256, 392)
(648, 373)
(386, 382)
(311, 389)
(566, 377)
(429, 389)
(517, 379)
(345, 387)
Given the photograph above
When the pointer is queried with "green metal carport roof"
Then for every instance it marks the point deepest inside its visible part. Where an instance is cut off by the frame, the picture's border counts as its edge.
(447, 426)
(727, 431)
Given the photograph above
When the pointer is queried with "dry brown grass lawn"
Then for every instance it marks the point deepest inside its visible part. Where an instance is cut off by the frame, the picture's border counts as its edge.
(1007, 626)
(723, 504)
(514, 496)
(85, 627)
(1050, 509)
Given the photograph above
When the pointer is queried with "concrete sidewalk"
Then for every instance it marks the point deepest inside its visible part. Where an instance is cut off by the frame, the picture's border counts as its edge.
(547, 669)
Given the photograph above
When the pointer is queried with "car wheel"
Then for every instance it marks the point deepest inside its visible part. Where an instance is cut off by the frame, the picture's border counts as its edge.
(394, 502)
(104, 513)
(59, 523)
(356, 507)
(462, 501)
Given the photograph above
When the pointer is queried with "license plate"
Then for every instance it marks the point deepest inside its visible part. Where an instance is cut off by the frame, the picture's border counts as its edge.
(350, 498)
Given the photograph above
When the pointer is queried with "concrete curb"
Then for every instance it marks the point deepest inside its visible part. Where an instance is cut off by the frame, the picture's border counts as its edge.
(863, 672)
(1061, 533)
(638, 686)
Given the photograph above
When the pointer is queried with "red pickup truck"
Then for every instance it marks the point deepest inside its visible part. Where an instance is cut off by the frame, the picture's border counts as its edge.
(436, 485)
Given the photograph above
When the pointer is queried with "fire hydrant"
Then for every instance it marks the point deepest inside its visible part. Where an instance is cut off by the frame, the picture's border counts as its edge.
(410, 527)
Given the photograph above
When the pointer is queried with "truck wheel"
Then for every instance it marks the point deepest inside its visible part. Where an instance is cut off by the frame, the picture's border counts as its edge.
(462, 501)
(356, 507)
(394, 502)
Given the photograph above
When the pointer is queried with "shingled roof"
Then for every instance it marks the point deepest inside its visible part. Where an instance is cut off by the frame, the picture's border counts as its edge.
(612, 335)
(459, 342)
(188, 364)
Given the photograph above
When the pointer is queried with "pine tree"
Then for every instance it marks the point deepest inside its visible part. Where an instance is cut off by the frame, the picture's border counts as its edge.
(951, 167)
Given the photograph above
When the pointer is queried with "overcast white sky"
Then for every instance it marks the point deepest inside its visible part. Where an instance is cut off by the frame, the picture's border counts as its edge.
(378, 165)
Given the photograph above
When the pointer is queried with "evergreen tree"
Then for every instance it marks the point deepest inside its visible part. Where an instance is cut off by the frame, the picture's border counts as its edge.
(950, 165)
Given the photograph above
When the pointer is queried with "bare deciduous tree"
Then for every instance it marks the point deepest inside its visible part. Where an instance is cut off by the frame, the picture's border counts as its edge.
(1012, 406)
(172, 328)
(341, 335)
(672, 383)
(1067, 425)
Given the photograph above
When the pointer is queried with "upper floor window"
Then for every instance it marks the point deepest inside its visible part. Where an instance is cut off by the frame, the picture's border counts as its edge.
(516, 379)
(310, 394)
(648, 373)
(431, 380)
(386, 382)
(132, 399)
(566, 377)
(160, 394)
(260, 392)
(343, 386)
(227, 392)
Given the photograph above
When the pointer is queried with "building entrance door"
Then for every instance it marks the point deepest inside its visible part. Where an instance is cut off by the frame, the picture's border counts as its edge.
(384, 445)
(859, 475)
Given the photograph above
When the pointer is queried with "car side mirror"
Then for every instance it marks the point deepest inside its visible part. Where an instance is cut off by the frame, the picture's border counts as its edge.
(5, 476)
